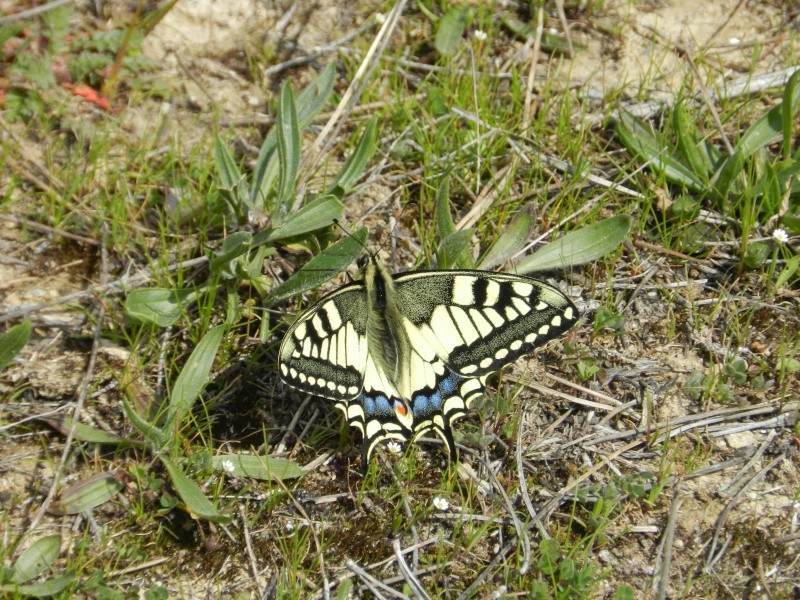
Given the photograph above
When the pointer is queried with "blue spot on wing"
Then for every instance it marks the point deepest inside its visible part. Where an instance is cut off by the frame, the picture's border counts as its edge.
(448, 385)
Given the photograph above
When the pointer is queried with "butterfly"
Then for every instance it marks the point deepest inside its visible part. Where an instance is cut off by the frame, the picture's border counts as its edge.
(401, 355)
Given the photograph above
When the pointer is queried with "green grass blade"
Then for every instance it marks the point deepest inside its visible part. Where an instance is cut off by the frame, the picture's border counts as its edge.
(12, 341)
(231, 181)
(36, 558)
(791, 99)
(317, 214)
(191, 495)
(193, 377)
(288, 151)
(579, 247)
(773, 124)
(159, 306)
(686, 144)
(649, 147)
(334, 259)
(510, 241)
(357, 161)
(442, 216)
(265, 468)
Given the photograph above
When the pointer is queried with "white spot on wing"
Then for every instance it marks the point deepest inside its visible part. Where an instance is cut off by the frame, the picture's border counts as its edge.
(334, 317)
(492, 293)
(556, 321)
(484, 327)
(463, 290)
(511, 314)
(522, 289)
(494, 317)
(501, 354)
(419, 342)
(467, 330)
(544, 329)
(316, 321)
(453, 404)
(522, 307)
(443, 325)
(487, 362)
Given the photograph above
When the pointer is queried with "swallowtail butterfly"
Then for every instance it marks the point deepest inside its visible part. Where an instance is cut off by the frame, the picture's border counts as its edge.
(404, 354)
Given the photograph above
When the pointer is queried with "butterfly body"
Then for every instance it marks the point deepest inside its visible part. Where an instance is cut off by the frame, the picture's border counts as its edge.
(404, 354)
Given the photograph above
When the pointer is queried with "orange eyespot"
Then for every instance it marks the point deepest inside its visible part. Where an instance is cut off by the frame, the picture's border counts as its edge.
(400, 409)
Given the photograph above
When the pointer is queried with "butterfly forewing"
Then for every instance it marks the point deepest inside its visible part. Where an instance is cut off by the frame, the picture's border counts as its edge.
(478, 321)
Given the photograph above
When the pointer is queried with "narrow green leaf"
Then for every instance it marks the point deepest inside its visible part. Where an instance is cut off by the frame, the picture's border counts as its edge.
(791, 99)
(687, 146)
(288, 151)
(788, 271)
(334, 259)
(266, 468)
(309, 102)
(454, 250)
(234, 246)
(579, 247)
(193, 377)
(357, 161)
(12, 341)
(510, 241)
(228, 170)
(771, 125)
(442, 216)
(86, 433)
(156, 438)
(649, 147)
(38, 557)
(87, 494)
(191, 495)
(159, 306)
(42, 589)
(450, 29)
(726, 175)
(231, 180)
(318, 213)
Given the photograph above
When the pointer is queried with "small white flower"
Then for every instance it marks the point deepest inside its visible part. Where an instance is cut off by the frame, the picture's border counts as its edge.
(394, 447)
(734, 41)
(480, 35)
(289, 526)
(228, 466)
(780, 235)
(380, 18)
(441, 503)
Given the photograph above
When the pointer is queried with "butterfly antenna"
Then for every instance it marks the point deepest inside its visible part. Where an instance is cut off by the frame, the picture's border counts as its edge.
(348, 234)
